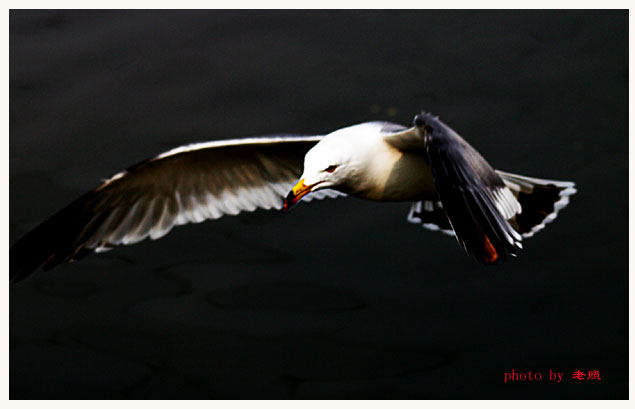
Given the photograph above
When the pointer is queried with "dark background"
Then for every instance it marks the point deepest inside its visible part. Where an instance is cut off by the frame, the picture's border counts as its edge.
(341, 298)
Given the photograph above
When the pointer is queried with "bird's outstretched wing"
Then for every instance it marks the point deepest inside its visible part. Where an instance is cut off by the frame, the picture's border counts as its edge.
(476, 200)
(185, 185)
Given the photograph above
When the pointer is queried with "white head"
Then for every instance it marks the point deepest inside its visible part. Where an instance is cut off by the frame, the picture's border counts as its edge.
(337, 161)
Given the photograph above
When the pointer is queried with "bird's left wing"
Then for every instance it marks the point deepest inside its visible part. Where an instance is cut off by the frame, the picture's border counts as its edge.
(475, 199)
(185, 185)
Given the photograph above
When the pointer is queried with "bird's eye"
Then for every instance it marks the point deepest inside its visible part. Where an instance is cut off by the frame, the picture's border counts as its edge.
(331, 169)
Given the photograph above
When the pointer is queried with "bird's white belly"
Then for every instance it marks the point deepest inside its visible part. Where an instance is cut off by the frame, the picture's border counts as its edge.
(398, 176)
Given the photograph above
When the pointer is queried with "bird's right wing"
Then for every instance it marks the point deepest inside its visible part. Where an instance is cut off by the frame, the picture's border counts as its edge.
(185, 185)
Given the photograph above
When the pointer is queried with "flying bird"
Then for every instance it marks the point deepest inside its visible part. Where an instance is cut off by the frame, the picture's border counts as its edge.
(452, 188)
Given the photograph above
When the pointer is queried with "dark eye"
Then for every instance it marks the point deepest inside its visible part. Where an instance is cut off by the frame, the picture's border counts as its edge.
(331, 169)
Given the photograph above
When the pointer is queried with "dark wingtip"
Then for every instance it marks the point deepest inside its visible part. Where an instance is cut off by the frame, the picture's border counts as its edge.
(48, 244)
(20, 264)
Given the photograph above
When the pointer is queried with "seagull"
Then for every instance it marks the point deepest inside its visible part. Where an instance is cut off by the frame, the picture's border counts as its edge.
(452, 188)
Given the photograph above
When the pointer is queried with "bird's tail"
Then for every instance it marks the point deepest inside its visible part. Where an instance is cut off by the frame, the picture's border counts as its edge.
(540, 201)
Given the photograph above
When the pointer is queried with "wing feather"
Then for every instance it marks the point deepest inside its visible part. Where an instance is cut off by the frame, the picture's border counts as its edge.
(189, 184)
(476, 200)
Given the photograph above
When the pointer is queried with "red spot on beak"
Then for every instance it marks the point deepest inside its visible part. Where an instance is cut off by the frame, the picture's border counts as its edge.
(297, 192)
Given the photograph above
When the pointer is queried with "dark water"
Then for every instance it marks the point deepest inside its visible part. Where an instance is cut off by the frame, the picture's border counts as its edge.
(339, 299)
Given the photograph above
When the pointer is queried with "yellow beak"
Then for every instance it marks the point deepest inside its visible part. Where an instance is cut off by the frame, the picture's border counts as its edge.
(298, 192)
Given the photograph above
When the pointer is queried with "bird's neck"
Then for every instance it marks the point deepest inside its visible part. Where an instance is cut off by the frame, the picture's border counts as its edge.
(372, 170)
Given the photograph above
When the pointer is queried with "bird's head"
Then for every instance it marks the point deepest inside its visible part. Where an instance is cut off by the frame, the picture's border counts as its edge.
(324, 168)
(333, 163)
